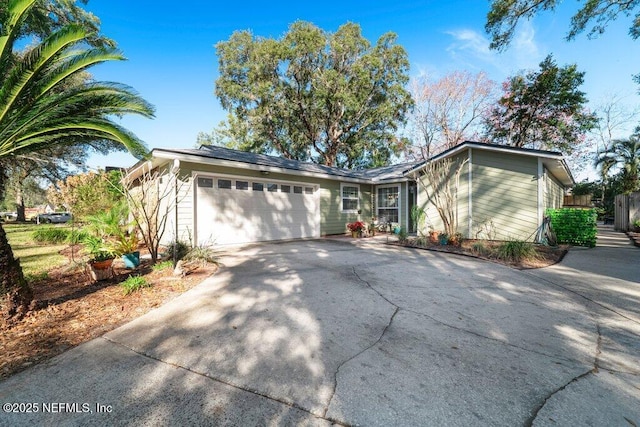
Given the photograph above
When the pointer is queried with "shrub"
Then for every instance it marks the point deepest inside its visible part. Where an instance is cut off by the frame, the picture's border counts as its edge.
(181, 249)
(76, 236)
(516, 251)
(203, 254)
(51, 235)
(478, 248)
(574, 226)
(402, 235)
(134, 283)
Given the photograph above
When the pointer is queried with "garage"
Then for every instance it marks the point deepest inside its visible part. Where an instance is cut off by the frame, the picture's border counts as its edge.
(236, 209)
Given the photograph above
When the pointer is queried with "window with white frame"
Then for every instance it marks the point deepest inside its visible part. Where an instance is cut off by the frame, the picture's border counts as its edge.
(350, 198)
(388, 206)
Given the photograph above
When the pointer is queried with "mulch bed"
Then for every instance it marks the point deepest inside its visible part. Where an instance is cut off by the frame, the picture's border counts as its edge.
(546, 255)
(71, 309)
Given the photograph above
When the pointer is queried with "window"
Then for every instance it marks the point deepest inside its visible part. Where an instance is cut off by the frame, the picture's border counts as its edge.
(308, 190)
(224, 183)
(205, 182)
(257, 186)
(285, 188)
(389, 203)
(242, 185)
(297, 189)
(350, 197)
(272, 188)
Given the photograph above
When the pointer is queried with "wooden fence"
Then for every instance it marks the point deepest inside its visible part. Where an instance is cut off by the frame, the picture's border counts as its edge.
(627, 210)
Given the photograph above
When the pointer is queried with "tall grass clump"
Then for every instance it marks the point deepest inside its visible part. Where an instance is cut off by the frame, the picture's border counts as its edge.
(133, 284)
(516, 251)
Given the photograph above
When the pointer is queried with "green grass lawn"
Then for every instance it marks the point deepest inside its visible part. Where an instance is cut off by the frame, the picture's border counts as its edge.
(36, 259)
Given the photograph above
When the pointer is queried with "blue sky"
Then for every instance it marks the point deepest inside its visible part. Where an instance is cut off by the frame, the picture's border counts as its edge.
(172, 61)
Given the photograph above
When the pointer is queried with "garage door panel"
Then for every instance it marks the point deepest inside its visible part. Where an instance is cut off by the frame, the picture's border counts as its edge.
(227, 216)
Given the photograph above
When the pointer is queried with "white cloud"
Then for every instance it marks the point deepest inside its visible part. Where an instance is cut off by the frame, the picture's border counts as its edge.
(470, 49)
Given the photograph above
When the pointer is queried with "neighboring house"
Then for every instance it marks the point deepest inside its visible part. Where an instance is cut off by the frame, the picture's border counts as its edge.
(228, 197)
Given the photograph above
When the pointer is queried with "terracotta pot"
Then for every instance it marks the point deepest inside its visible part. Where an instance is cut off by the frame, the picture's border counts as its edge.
(101, 270)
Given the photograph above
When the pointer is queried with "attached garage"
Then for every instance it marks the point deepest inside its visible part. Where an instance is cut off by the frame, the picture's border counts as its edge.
(238, 209)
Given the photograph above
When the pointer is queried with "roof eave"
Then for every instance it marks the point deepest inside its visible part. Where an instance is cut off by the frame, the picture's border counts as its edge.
(170, 154)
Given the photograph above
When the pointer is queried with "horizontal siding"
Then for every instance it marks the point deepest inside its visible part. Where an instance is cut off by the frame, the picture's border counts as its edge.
(433, 221)
(332, 219)
(554, 192)
(505, 194)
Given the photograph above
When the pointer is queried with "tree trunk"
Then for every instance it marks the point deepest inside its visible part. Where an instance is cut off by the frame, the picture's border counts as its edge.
(20, 204)
(16, 296)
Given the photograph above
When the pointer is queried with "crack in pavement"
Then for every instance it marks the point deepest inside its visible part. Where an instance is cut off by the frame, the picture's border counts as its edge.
(335, 377)
(594, 370)
(227, 383)
(463, 329)
(384, 331)
(584, 296)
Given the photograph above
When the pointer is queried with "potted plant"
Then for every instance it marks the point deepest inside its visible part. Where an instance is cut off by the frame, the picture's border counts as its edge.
(456, 239)
(434, 236)
(100, 264)
(443, 239)
(356, 228)
(126, 246)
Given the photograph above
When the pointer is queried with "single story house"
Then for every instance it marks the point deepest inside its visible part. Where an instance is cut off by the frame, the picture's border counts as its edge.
(225, 196)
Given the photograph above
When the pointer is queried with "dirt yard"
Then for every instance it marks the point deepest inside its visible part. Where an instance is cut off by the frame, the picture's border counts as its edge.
(71, 310)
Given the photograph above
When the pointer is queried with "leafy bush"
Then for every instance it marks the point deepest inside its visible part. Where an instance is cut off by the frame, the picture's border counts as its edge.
(181, 249)
(574, 226)
(134, 283)
(51, 235)
(202, 254)
(516, 251)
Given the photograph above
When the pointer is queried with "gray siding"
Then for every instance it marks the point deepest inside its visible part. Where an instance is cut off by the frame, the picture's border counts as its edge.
(505, 194)
(553, 191)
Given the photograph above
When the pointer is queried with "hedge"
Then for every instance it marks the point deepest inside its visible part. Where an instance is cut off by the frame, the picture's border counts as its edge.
(574, 226)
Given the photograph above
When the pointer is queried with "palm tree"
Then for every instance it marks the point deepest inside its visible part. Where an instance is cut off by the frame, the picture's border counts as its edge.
(624, 154)
(40, 109)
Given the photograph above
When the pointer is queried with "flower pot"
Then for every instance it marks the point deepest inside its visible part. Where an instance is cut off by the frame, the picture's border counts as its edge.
(444, 240)
(131, 260)
(101, 270)
(355, 234)
(433, 237)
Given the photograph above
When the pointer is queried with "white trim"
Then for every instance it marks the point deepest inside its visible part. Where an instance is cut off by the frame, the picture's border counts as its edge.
(399, 187)
(406, 214)
(348, 184)
(540, 191)
(470, 191)
(265, 180)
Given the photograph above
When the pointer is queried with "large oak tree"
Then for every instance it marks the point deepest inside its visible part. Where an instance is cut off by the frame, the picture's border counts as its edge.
(330, 98)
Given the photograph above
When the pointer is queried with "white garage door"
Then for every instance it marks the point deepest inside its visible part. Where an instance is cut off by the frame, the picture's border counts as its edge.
(233, 210)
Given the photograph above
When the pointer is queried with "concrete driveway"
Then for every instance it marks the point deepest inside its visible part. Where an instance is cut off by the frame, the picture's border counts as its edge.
(321, 332)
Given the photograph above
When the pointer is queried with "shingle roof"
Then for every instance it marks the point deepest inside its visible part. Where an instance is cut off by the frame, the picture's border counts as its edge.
(375, 174)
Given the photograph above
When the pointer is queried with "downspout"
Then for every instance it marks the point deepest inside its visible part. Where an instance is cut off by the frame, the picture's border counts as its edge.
(174, 171)
(470, 193)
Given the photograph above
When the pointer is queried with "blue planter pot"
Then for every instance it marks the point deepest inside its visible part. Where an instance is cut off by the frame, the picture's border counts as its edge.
(131, 260)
